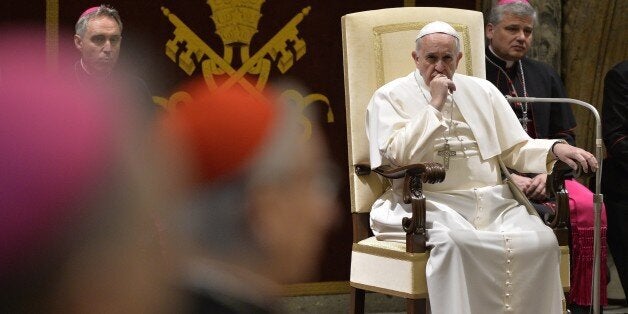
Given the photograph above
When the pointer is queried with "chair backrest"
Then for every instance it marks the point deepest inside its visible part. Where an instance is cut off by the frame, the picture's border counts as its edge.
(377, 48)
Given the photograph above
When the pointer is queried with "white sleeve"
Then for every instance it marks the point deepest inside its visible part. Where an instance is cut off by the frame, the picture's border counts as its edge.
(396, 136)
(530, 156)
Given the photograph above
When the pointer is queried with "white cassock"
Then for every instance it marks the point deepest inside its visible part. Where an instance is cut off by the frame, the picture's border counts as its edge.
(488, 254)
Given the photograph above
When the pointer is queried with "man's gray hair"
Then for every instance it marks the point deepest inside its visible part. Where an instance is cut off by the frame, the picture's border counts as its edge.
(103, 10)
(456, 40)
(519, 8)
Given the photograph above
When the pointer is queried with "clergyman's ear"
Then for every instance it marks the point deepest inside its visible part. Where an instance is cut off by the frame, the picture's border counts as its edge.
(78, 42)
(488, 30)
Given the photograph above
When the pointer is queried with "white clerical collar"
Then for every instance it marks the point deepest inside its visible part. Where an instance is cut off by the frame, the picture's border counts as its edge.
(84, 68)
(92, 74)
(508, 63)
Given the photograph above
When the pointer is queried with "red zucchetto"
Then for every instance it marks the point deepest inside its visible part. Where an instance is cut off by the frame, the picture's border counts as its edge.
(88, 11)
(221, 131)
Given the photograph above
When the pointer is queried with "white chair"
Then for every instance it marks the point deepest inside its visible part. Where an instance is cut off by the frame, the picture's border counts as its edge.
(377, 46)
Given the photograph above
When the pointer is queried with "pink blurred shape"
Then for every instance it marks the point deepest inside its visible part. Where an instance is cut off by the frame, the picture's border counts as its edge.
(55, 144)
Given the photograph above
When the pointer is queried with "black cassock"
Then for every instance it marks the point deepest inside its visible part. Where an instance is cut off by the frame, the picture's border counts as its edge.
(615, 170)
(532, 78)
(553, 121)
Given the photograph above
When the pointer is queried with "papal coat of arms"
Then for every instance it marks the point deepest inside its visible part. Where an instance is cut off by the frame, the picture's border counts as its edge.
(236, 23)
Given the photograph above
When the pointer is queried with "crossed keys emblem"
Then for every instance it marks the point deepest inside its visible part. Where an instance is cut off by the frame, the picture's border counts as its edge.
(236, 24)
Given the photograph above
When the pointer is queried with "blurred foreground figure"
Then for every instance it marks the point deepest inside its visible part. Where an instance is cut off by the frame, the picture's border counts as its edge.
(76, 234)
(259, 202)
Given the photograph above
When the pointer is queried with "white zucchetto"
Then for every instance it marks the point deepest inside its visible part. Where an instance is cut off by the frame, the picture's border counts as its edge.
(437, 27)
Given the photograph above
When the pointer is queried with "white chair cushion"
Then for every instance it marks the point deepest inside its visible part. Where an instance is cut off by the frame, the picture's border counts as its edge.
(385, 267)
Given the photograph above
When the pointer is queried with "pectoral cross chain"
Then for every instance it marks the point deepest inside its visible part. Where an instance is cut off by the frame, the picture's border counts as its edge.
(446, 152)
(524, 122)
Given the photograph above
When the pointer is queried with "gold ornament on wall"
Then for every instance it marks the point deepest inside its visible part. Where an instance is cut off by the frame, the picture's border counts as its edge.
(236, 23)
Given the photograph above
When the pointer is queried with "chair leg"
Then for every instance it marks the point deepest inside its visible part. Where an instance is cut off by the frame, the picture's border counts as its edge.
(416, 306)
(357, 301)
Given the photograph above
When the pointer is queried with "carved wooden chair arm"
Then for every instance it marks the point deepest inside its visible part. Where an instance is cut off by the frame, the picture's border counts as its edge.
(414, 176)
(429, 172)
(555, 186)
